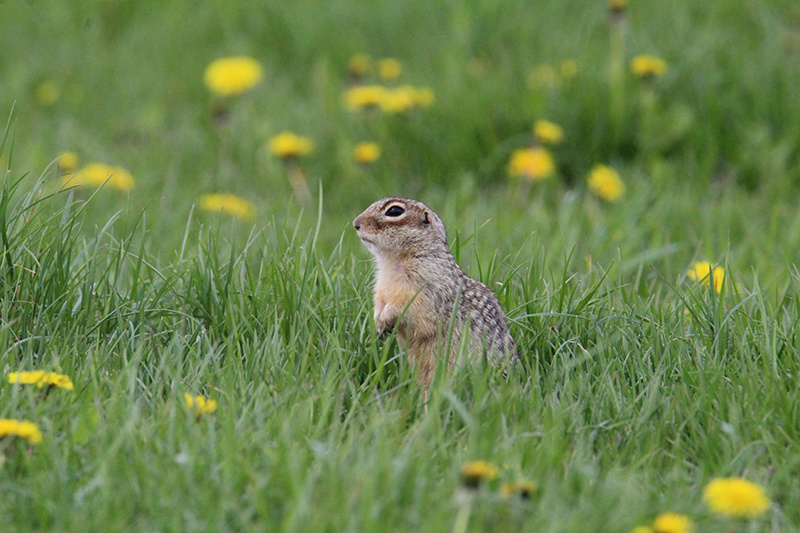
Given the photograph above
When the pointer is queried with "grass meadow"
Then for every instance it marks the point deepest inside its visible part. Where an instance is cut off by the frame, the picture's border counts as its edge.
(639, 381)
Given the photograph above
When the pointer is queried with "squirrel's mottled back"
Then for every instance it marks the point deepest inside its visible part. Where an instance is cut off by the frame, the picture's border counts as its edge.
(422, 293)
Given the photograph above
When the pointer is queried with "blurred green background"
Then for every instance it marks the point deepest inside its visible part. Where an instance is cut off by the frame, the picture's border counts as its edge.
(123, 84)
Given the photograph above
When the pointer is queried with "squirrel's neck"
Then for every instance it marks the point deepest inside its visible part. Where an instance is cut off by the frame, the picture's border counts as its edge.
(418, 268)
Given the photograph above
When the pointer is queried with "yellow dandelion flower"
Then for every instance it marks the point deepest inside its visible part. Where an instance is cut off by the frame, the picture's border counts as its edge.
(736, 498)
(617, 6)
(20, 428)
(200, 404)
(569, 69)
(703, 272)
(606, 183)
(389, 69)
(643, 529)
(533, 164)
(68, 160)
(228, 203)
(40, 378)
(367, 152)
(475, 472)
(543, 77)
(398, 100)
(230, 76)
(47, 93)
(359, 65)
(95, 174)
(365, 96)
(522, 488)
(646, 66)
(547, 132)
(423, 96)
(672, 523)
(286, 145)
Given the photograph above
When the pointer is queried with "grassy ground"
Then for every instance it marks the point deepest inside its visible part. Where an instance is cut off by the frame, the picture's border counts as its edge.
(637, 385)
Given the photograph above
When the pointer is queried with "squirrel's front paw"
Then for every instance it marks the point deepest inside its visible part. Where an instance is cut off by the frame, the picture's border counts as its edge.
(384, 329)
(390, 319)
(385, 321)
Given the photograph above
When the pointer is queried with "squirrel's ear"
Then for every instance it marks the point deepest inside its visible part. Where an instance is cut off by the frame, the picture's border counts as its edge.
(426, 221)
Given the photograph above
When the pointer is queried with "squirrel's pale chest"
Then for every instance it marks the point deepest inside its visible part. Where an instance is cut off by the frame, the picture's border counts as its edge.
(395, 284)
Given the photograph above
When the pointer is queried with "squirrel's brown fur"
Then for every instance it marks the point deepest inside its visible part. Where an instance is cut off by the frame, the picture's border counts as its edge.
(422, 294)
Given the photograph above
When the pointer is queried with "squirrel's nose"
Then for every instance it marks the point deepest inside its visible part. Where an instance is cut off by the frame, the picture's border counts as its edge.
(357, 224)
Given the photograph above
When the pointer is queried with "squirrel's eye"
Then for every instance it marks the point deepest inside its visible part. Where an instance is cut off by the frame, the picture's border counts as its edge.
(395, 211)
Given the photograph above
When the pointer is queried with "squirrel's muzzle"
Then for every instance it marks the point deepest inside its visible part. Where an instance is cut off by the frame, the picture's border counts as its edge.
(359, 222)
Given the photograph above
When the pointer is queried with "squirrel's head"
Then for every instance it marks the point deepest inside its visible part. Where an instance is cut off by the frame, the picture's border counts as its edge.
(401, 226)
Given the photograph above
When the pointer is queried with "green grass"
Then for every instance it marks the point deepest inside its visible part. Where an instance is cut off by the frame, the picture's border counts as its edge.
(636, 385)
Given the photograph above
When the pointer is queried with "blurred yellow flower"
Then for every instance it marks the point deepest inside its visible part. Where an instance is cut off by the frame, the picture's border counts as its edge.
(287, 145)
(47, 93)
(228, 203)
(200, 404)
(95, 174)
(68, 160)
(422, 96)
(543, 77)
(40, 378)
(703, 272)
(230, 76)
(389, 69)
(646, 66)
(367, 152)
(20, 428)
(475, 472)
(398, 100)
(522, 488)
(672, 523)
(606, 183)
(359, 65)
(569, 69)
(617, 5)
(736, 498)
(533, 164)
(365, 96)
(547, 132)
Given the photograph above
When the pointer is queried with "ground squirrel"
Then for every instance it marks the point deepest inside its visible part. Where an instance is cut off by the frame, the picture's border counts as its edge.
(421, 292)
